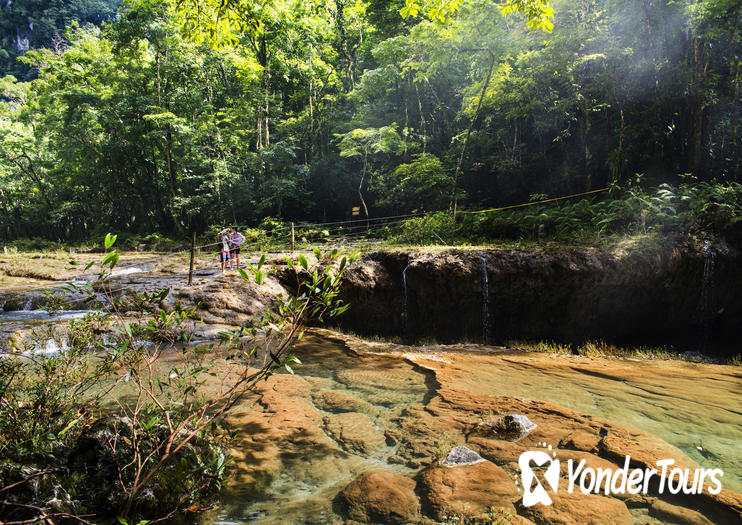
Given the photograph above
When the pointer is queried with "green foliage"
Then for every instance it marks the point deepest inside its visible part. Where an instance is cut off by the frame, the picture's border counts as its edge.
(421, 185)
(181, 114)
(703, 208)
(429, 229)
(538, 13)
(33, 24)
(122, 431)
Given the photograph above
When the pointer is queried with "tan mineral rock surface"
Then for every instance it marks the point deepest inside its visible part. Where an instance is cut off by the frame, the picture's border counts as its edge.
(355, 436)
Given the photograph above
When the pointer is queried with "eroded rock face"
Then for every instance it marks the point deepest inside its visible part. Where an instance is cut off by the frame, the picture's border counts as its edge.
(569, 295)
(381, 497)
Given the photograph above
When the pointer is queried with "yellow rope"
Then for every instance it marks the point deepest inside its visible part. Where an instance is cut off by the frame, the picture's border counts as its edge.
(536, 202)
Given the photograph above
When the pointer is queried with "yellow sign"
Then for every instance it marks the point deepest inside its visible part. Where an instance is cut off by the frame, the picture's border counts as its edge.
(356, 210)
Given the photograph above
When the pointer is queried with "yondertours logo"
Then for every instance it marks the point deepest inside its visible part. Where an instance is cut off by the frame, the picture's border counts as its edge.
(540, 476)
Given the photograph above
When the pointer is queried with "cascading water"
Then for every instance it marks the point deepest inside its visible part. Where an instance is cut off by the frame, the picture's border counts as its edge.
(706, 305)
(485, 298)
(405, 312)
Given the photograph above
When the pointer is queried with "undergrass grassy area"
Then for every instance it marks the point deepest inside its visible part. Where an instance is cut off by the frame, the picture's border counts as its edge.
(604, 349)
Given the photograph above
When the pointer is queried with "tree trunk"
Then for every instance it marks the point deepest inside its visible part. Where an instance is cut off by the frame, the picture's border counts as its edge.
(586, 128)
(311, 106)
(454, 193)
(172, 179)
(735, 113)
(360, 187)
(344, 47)
(263, 132)
(423, 124)
(700, 63)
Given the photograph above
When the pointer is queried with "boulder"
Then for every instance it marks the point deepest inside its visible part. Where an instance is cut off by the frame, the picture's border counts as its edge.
(461, 456)
(467, 490)
(381, 497)
(512, 427)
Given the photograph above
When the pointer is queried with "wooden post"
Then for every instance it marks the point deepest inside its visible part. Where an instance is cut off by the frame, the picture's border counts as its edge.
(193, 250)
(292, 238)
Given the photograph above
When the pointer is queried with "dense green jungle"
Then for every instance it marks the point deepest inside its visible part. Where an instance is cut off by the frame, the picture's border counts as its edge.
(370, 262)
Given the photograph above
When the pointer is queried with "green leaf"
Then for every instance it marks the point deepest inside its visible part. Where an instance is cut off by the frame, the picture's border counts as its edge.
(303, 262)
(110, 239)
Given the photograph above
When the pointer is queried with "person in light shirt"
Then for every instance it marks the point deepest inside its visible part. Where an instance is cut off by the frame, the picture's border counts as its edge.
(223, 238)
(235, 241)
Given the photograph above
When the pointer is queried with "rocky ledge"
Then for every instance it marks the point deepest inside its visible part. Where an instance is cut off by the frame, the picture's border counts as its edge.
(663, 295)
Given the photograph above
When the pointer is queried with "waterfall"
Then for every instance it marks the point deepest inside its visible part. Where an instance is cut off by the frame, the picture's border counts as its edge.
(485, 298)
(404, 290)
(706, 306)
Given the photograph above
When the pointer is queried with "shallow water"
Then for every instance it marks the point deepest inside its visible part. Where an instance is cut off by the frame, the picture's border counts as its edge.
(311, 476)
(33, 316)
(695, 407)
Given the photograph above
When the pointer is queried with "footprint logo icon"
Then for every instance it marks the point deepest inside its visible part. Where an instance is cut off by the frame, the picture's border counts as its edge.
(533, 489)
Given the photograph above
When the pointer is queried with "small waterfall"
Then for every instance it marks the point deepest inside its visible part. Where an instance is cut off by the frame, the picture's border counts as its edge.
(28, 304)
(405, 312)
(485, 298)
(126, 271)
(706, 305)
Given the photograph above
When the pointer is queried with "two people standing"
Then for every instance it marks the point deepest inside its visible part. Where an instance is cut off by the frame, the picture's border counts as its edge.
(230, 240)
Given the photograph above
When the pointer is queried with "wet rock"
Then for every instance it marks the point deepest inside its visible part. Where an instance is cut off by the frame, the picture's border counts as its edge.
(643, 449)
(676, 515)
(354, 432)
(461, 456)
(581, 440)
(512, 427)
(585, 509)
(335, 401)
(467, 490)
(228, 297)
(381, 497)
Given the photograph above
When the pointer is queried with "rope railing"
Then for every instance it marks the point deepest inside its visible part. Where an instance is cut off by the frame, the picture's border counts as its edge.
(352, 231)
